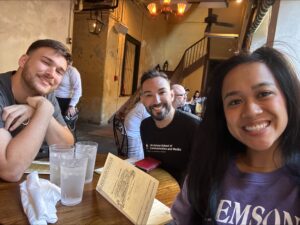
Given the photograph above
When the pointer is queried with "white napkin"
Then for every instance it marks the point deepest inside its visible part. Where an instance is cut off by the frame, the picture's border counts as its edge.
(39, 197)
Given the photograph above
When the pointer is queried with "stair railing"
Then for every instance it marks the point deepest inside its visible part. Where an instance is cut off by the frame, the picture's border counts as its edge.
(192, 58)
(195, 52)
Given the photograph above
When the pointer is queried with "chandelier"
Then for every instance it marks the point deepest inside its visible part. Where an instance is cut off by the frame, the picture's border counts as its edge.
(167, 7)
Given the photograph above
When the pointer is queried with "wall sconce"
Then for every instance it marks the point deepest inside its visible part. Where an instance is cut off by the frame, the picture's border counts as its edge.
(95, 23)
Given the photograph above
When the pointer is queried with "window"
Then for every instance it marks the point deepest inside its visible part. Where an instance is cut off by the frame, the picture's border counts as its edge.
(130, 66)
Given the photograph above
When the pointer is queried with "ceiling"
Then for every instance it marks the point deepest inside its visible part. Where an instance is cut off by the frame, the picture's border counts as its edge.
(231, 15)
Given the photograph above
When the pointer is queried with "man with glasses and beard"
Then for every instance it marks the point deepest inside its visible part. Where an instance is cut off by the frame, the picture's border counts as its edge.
(180, 97)
(168, 134)
(29, 112)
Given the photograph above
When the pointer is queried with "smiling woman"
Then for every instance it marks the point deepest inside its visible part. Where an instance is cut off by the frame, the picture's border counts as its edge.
(255, 111)
(248, 146)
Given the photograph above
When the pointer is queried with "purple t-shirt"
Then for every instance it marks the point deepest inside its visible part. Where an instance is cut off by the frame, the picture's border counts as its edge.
(250, 198)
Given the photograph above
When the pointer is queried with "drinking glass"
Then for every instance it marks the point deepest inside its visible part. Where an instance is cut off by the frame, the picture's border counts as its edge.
(88, 148)
(73, 170)
(56, 152)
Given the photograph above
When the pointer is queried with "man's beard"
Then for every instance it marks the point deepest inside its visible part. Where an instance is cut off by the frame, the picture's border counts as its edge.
(179, 103)
(166, 108)
(30, 81)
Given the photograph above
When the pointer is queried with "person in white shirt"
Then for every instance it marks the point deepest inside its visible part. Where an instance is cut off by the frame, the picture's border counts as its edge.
(132, 124)
(69, 92)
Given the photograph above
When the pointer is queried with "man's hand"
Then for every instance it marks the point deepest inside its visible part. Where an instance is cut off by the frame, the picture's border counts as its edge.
(71, 111)
(39, 101)
(15, 115)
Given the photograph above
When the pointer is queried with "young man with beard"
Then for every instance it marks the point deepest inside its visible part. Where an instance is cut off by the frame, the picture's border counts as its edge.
(168, 134)
(29, 112)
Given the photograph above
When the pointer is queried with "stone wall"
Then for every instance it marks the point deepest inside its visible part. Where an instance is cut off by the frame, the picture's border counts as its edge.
(24, 21)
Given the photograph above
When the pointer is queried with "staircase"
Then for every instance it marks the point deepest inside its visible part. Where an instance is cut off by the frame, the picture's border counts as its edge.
(193, 58)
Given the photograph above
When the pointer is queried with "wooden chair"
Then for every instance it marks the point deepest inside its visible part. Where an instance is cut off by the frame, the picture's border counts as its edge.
(120, 136)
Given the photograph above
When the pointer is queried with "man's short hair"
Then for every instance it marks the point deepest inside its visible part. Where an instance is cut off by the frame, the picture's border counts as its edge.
(153, 74)
(49, 43)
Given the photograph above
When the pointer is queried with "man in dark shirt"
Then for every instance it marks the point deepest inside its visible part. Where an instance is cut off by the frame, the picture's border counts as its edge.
(29, 112)
(168, 134)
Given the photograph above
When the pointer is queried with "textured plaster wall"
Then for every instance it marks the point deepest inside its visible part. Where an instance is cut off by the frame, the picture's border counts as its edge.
(222, 48)
(131, 17)
(193, 81)
(142, 28)
(184, 32)
(89, 52)
(24, 21)
(155, 36)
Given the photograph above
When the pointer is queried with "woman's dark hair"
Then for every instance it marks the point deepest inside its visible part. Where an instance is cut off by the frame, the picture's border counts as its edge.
(196, 92)
(59, 47)
(215, 145)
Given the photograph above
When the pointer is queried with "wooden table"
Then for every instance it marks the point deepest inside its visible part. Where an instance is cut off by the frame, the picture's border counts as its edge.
(94, 209)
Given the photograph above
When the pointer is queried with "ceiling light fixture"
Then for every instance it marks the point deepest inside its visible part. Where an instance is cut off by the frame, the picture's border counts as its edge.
(167, 7)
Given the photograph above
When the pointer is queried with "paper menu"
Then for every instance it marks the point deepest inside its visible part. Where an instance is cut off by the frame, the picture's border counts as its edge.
(42, 167)
(159, 214)
(129, 189)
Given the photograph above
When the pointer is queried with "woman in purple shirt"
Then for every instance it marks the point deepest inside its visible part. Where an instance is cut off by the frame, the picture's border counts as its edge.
(245, 167)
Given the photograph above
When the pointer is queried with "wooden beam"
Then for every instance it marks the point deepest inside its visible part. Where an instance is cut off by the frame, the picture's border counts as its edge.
(246, 21)
(273, 23)
(220, 35)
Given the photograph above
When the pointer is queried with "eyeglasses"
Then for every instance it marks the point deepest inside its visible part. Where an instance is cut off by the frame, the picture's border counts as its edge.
(180, 95)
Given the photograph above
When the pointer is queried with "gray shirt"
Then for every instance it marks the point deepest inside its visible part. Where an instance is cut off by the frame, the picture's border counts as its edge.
(7, 99)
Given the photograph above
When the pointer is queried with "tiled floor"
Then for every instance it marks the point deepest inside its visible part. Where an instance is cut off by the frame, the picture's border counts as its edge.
(103, 135)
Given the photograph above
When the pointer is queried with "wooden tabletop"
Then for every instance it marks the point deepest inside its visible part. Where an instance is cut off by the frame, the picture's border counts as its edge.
(94, 209)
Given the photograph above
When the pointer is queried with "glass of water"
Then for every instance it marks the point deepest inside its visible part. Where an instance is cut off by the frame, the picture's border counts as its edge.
(88, 148)
(72, 177)
(56, 152)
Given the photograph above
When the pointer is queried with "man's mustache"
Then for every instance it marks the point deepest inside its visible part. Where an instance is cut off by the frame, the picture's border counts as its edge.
(155, 105)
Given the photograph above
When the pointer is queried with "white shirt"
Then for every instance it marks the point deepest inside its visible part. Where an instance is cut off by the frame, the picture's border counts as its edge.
(132, 125)
(70, 86)
(134, 118)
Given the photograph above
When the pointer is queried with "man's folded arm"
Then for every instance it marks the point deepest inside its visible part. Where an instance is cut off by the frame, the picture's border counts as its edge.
(58, 134)
(17, 153)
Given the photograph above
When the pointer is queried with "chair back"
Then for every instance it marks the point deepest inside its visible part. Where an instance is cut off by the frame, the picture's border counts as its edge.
(71, 123)
(120, 136)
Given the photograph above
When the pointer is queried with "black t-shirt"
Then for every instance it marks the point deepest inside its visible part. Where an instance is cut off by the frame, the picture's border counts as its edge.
(172, 144)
